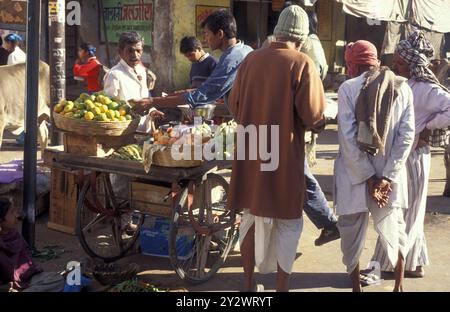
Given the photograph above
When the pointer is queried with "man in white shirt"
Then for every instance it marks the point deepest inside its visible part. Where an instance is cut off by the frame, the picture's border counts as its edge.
(128, 79)
(376, 133)
(16, 55)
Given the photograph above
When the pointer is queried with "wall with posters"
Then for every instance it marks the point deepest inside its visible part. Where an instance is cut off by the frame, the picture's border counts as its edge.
(187, 16)
(155, 27)
(13, 14)
(163, 28)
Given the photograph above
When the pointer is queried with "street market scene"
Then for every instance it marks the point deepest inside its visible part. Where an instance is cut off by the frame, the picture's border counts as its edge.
(224, 146)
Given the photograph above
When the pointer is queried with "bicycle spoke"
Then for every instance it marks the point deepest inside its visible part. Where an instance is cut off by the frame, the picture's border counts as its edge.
(96, 220)
(209, 211)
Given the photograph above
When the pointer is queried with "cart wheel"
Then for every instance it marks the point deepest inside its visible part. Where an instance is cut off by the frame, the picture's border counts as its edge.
(107, 228)
(197, 257)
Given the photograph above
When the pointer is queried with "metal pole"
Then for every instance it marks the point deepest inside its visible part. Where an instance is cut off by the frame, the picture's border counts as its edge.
(32, 96)
(105, 32)
(57, 51)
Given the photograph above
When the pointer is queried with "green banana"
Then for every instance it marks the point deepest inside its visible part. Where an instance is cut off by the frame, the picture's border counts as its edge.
(131, 152)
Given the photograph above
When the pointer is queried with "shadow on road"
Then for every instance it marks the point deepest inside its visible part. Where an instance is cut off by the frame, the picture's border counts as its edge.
(328, 137)
(8, 146)
(438, 204)
(299, 281)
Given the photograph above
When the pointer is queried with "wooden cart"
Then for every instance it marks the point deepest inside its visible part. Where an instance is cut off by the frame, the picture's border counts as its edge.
(109, 218)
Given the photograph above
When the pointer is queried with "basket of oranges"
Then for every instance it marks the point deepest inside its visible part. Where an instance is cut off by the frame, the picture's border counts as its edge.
(95, 114)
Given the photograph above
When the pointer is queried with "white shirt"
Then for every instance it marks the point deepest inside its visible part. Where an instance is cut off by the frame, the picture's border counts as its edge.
(17, 56)
(354, 167)
(313, 48)
(128, 83)
(431, 105)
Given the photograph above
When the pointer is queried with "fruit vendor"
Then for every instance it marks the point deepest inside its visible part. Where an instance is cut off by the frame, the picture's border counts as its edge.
(220, 32)
(87, 67)
(128, 79)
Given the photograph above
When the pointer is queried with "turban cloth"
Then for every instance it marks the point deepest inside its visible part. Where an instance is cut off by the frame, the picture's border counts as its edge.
(360, 53)
(417, 52)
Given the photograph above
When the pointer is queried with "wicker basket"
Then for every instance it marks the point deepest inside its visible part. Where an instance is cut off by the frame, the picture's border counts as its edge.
(83, 127)
(163, 158)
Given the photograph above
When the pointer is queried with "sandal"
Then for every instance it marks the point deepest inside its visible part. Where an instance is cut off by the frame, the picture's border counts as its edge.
(370, 279)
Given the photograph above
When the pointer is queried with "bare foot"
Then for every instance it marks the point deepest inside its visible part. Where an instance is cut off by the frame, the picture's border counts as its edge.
(418, 273)
(398, 289)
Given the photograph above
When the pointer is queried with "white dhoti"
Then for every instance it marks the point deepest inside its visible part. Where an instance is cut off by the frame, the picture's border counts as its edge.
(388, 223)
(276, 241)
(418, 167)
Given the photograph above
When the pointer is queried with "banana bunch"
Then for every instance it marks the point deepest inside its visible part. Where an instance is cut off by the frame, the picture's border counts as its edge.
(131, 152)
(202, 130)
(226, 128)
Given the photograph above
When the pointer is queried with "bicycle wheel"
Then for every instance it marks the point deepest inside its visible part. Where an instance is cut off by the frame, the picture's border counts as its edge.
(209, 230)
(107, 228)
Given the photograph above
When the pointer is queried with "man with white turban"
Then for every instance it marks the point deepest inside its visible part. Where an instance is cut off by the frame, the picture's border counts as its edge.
(432, 111)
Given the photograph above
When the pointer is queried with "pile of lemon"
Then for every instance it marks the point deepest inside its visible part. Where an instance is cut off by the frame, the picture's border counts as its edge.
(95, 107)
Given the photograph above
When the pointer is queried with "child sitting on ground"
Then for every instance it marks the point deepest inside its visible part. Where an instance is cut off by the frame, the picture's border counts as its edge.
(16, 265)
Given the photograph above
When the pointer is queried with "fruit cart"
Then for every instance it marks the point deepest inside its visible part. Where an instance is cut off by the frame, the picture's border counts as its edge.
(108, 223)
(116, 195)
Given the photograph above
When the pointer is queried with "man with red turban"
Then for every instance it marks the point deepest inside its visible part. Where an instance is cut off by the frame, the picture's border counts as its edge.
(376, 132)
(358, 54)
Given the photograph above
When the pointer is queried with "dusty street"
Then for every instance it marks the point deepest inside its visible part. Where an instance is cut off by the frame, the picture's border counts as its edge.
(316, 268)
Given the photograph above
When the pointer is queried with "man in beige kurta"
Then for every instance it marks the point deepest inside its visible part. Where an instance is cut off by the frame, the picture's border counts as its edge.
(275, 87)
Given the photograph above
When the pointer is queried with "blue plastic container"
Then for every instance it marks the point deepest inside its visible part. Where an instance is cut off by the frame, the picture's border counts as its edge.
(154, 239)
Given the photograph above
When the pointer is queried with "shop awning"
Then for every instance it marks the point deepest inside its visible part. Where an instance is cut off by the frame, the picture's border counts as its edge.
(429, 14)
(277, 5)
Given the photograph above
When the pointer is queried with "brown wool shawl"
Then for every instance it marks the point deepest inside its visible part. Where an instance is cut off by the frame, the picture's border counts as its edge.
(373, 108)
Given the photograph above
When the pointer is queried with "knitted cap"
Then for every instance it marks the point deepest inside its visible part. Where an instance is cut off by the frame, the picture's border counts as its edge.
(293, 24)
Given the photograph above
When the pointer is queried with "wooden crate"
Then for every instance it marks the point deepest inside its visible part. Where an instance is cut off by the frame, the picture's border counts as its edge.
(63, 201)
(100, 146)
(150, 199)
(49, 155)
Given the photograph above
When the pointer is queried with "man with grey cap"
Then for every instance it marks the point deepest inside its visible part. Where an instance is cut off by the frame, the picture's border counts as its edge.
(276, 87)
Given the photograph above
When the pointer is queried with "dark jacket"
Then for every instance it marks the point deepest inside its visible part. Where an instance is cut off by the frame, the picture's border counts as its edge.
(3, 56)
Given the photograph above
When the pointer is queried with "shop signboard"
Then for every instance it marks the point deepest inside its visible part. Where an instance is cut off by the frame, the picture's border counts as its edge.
(128, 15)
